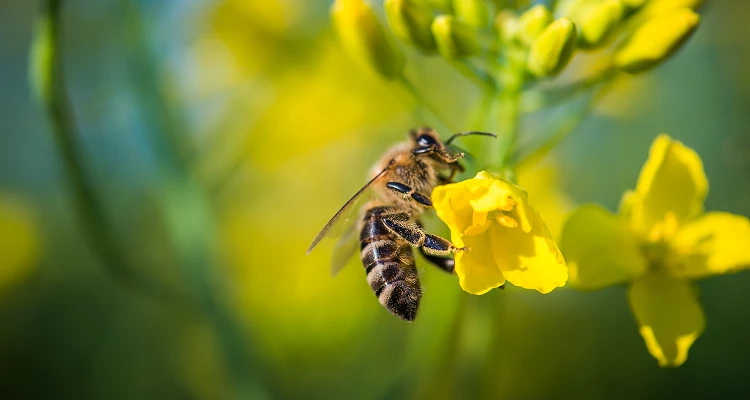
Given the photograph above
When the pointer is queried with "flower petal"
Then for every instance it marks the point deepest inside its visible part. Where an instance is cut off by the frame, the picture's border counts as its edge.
(716, 243)
(452, 206)
(490, 195)
(600, 249)
(479, 224)
(476, 270)
(626, 204)
(669, 316)
(671, 181)
(529, 260)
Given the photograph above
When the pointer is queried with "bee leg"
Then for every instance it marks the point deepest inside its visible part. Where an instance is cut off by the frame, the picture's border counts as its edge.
(456, 167)
(400, 224)
(446, 264)
(410, 231)
(407, 191)
(437, 246)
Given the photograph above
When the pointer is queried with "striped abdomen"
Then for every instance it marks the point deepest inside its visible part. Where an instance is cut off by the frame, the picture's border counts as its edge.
(389, 263)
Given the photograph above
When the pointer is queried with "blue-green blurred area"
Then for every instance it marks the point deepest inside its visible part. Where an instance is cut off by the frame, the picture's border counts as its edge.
(220, 136)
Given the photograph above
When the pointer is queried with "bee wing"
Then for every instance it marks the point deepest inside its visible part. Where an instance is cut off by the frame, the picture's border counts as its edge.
(344, 249)
(347, 214)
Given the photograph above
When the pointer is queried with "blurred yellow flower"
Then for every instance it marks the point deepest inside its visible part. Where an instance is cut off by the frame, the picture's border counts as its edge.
(660, 242)
(507, 238)
(19, 242)
(366, 39)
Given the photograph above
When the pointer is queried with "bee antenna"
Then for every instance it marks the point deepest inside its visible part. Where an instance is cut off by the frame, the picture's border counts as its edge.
(457, 135)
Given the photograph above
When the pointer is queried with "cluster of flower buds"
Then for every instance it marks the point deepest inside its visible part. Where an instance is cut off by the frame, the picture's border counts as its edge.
(640, 33)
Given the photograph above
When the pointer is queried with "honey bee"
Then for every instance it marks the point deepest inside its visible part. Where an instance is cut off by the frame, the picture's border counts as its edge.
(388, 209)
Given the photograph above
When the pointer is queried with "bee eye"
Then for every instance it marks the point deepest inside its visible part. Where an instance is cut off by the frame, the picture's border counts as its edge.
(426, 140)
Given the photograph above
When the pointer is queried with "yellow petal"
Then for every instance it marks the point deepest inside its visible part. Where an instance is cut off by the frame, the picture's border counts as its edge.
(476, 270)
(492, 195)
(452, 206)
(671, 181)
(529, 260)
(626, 204)
(600, 249)
(714, 244)
(479, 224)
(668, 315)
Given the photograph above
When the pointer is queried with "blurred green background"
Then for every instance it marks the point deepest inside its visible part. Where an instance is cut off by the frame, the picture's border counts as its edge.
(277, 128)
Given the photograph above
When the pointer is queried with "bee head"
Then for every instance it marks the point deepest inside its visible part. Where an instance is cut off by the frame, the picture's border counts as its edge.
(427, 141)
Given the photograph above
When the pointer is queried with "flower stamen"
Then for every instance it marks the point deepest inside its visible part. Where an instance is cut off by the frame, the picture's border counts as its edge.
(506, 221)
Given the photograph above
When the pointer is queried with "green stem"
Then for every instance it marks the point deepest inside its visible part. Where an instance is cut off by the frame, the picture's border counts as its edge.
(480, 78)
(566, 127)
(419, 98)
(189, 215)
(542, 99)
(508, 109)
(47, 77)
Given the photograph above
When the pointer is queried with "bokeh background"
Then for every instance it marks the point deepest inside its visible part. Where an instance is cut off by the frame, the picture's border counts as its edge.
(276, 127)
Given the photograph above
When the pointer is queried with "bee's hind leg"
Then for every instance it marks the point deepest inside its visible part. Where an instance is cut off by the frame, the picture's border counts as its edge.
(429, 244)
(446, 264)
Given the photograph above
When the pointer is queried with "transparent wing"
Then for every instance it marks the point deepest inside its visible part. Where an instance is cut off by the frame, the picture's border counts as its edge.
(345, 247)
(343, 221)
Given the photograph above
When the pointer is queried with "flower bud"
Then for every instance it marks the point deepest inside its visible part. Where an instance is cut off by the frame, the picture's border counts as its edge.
(597, 23)
(454, 38)
(365, 37)
(411, 21)
(655, 40)
(532, 23)
(473, 12)
(661, 7)
(552, 50)
(507, 25)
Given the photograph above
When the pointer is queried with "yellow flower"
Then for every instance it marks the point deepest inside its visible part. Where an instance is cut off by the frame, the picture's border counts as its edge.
(507, 238)
(661, 241)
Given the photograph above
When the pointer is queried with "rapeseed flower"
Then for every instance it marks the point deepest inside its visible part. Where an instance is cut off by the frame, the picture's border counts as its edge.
(506, 237)
(661, 241)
